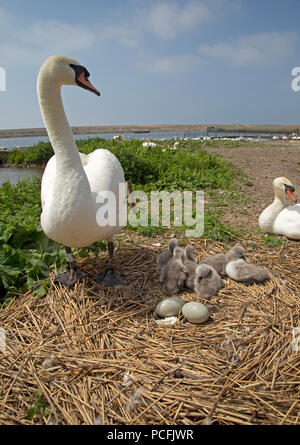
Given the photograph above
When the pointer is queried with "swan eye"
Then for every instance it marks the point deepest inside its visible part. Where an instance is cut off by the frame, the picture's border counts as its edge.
(80, 70)
(81, 78)
(289, 187)
(289, 190)
(86, 73)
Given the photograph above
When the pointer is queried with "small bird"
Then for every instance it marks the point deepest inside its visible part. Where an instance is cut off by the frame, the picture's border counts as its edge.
(219, 261)
(247, 273)
(190, 264)
(207, 281)
(165, 257)
(173, 274)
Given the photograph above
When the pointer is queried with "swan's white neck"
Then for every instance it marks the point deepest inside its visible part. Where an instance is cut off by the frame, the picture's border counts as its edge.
(59, 131)
(269, 215)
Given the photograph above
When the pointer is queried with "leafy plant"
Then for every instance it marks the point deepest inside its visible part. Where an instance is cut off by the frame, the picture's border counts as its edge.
(40, 406)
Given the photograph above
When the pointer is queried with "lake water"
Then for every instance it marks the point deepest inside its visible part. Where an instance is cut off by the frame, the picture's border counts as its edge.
(15, 175)
(29, 141)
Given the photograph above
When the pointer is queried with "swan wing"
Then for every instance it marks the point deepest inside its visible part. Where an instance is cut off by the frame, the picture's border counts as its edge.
(288, 222)
(103, 170)
(48, 181)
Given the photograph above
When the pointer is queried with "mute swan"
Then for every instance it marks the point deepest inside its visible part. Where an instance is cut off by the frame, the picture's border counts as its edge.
(279, 218)
(190, 265)
(207, 281)
(165, 257)
(74, 185)
(247, 273)
(173, 274)
(175, 146)
(148, 144)
(219, 261)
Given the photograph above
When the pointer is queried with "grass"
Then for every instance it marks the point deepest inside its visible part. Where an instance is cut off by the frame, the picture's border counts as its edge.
(273, 240)
(27, 255)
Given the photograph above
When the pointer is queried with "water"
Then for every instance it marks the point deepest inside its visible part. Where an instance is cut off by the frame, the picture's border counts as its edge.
(15, 175)
(11, 143)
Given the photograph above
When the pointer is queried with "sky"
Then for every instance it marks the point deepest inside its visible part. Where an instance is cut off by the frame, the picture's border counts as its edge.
(155, 61)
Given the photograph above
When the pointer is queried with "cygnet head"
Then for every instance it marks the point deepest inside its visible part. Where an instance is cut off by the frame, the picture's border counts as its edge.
(189, 252)
(173, 243)
(178, 253)
(65, 71)
(236, 253)
(203, 271)
(282, 187)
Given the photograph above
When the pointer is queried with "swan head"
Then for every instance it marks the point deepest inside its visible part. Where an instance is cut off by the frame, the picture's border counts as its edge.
(203, 271)
(65, 71)
(189, 252)
(282, 187)
(173, 243)
(178, 254)
(236, 253)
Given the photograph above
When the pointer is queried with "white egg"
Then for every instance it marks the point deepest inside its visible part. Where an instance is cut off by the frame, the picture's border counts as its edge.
(169, 307)
(195, 312)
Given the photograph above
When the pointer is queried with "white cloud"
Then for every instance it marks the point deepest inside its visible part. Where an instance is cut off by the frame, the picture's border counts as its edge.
(39, 40)
(60, 36)
(169, 64)
(168, 19)
(126, 35)
(256, 49)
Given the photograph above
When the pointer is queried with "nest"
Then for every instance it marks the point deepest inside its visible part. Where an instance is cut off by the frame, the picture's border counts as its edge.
(89, 355)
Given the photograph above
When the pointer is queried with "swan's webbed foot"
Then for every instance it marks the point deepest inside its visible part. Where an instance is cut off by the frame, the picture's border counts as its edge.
(70, 277)
(73, 275)
(108, 278)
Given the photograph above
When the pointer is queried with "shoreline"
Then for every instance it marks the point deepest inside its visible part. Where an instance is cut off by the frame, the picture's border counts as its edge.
(78, 130)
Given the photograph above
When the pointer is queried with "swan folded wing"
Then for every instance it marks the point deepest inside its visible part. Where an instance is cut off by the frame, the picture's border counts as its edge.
(288, 222)
(238, 271)
(103, 170)
(244, 272)
(48, 181)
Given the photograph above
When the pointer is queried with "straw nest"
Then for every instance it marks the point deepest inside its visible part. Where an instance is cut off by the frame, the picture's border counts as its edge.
(89, 355)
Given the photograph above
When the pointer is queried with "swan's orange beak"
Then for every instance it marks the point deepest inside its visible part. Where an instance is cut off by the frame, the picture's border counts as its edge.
(291, 195)
(83, 82)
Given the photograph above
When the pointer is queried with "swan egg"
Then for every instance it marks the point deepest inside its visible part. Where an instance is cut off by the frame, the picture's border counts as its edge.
(169, 307)
(195, 312)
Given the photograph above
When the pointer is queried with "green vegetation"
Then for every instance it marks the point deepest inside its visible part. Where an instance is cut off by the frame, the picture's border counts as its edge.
(273, 240)
(40, 406)
(27, 255)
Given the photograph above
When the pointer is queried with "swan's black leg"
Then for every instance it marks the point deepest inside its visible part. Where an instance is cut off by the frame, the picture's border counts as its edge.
(73, 275)
(109, 277)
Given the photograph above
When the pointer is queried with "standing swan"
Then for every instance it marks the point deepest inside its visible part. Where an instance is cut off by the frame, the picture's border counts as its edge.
(76, 187)
(279, 218)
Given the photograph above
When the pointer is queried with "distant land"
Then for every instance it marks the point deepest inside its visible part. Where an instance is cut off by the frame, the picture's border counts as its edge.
(238, 128)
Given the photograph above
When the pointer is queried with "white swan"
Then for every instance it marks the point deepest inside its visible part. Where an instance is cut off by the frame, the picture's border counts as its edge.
(148, 144)
(279, 218)
(72, 181)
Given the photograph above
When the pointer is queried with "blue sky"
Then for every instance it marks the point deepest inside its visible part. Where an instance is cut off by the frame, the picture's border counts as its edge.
(155, 62)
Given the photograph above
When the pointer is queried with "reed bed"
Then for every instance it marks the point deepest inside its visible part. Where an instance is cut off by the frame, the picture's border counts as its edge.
(89, 355)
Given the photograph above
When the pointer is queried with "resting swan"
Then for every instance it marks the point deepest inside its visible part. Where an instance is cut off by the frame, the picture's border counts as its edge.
(72, 181)
(278, 218)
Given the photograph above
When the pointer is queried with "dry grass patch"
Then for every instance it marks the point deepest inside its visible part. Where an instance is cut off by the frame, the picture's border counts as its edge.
(89, 355)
